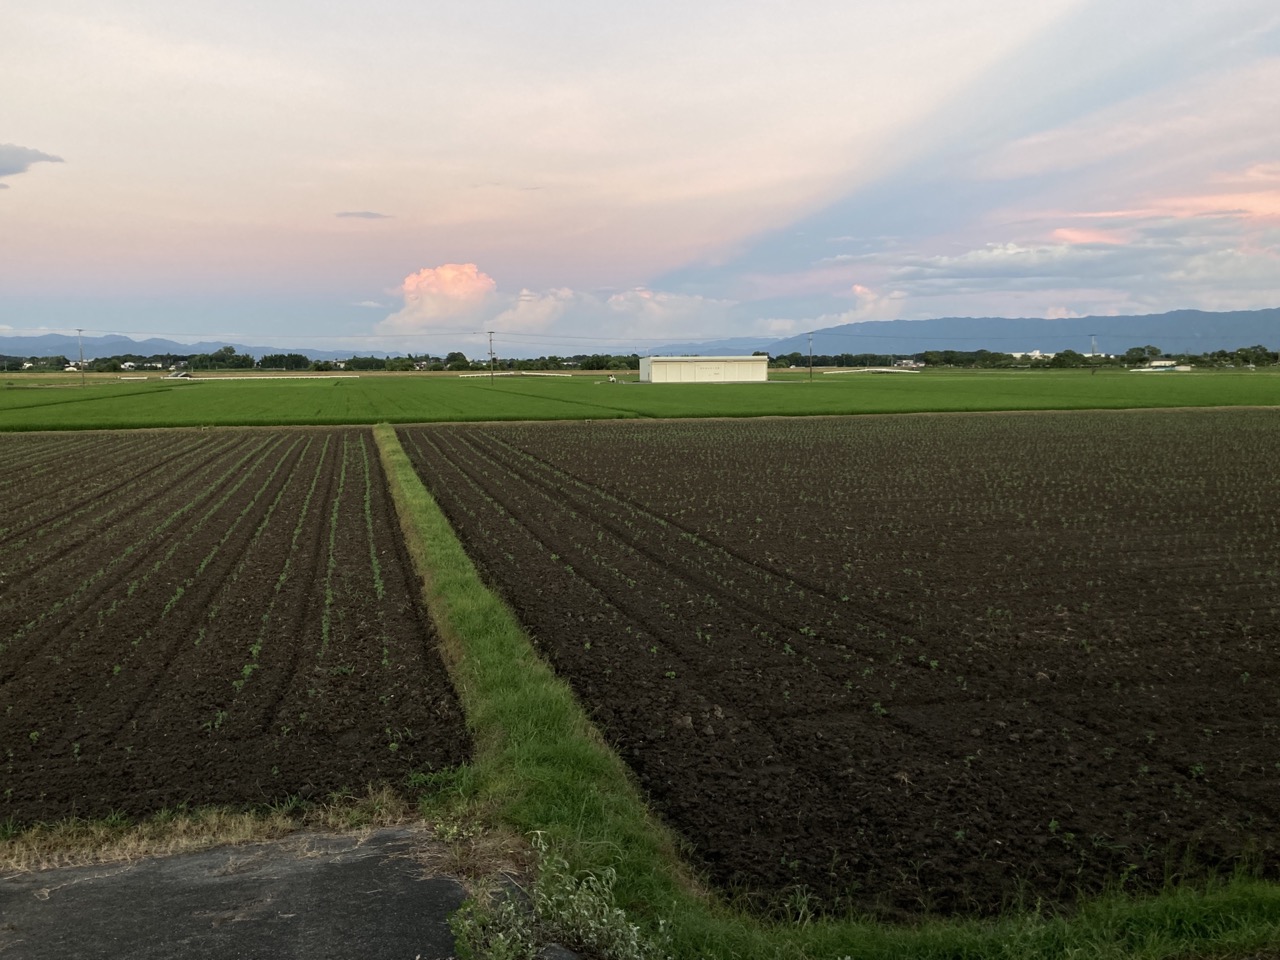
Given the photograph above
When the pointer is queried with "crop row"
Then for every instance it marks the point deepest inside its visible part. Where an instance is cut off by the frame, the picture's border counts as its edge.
(234, 624)
(979, 656)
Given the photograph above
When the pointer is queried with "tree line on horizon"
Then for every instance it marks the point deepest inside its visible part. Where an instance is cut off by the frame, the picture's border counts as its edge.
(227, 358)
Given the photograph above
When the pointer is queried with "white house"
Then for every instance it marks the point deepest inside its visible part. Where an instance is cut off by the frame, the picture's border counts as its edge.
(704, 369)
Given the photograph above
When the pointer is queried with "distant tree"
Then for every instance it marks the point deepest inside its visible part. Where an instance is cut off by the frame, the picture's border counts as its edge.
(285, 361)
(227, 358)
(1067, 358)
(1257, 355)
(399, 363)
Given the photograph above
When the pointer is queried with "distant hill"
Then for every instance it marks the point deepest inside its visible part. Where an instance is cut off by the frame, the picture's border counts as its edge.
(1181, 331)
(730, 346)
(55, 344)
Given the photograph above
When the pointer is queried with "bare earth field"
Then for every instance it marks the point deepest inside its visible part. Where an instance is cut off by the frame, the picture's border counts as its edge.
(208, 617)
(908, 664)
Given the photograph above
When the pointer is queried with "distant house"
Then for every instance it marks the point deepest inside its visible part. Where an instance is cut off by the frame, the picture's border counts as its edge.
(128, 365)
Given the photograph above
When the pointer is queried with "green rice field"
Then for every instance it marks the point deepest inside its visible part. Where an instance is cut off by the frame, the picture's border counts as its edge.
(66, 403)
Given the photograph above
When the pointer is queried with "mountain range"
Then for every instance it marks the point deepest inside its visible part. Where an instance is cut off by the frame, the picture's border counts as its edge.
(1180, 331)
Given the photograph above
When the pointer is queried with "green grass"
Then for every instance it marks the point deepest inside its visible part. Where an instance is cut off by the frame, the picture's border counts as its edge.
(540, 766)
(104, 403)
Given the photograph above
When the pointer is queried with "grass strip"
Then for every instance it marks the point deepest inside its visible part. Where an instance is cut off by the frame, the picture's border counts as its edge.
(540, 765)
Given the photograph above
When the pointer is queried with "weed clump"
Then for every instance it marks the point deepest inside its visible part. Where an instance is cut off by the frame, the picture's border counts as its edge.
(573, 910)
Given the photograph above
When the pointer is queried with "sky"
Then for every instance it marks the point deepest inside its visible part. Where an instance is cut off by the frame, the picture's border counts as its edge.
(579, 176)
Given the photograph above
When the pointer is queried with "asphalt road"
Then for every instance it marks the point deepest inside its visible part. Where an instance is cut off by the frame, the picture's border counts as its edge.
(314, 896)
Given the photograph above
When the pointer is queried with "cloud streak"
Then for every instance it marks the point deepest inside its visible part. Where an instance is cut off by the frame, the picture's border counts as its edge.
(15, 160)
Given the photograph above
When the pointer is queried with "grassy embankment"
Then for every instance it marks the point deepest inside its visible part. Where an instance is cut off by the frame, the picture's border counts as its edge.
(540, 766)
(50, 404)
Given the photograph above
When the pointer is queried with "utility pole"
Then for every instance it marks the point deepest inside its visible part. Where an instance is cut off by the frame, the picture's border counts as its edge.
(80, 341)
(1093, 344)
(811, 357)
(490, 356)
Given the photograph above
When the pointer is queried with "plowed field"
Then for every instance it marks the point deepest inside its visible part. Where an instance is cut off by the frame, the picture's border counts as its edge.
(208, 617)
(907, 664)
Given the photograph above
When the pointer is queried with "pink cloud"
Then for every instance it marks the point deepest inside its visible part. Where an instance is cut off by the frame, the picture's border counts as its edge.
(1074, 235)
(449, 281)
(446, 295)
(1260, 204)
(1258, 173)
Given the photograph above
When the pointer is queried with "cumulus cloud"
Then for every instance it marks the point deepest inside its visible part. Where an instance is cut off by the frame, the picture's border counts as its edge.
(452, 297)
(363, 215)
(441, 297)
(873, 305)
(537, 311)
(15, 159)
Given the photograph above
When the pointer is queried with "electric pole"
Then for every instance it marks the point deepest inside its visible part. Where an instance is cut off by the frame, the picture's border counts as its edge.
(490, 332)
(80, 341)
(811, 357)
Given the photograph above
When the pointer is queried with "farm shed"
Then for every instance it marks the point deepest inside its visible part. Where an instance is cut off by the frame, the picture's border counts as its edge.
(703, 369)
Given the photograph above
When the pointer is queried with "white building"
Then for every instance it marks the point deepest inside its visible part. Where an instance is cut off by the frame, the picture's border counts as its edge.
(704, 369)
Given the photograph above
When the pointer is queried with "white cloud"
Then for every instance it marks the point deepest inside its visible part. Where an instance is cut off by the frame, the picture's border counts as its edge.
(536, 311)
(442, 297)
(453, 296)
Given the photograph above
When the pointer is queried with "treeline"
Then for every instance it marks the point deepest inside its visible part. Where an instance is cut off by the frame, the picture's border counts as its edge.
(227, 358)
(1256, 355)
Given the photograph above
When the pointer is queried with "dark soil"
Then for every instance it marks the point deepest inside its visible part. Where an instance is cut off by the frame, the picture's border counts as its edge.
(221, 617)
(909, 665)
